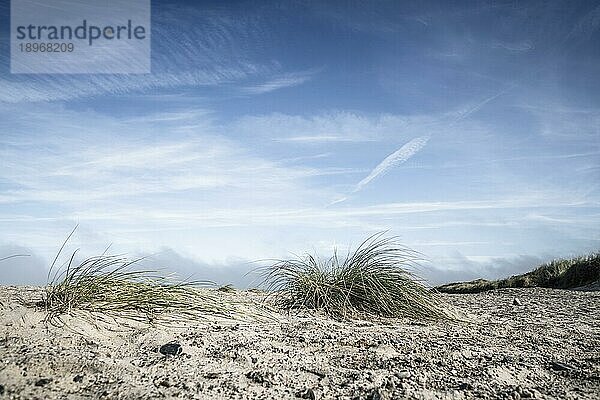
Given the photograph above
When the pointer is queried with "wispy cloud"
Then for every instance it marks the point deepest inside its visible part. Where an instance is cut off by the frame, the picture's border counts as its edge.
(569, 124)
(519, 47)
(127, 170)
(280, 82)
(257, 215)
(325, 127)
(43, 88)
(321, 139)
(585, 27)
(192, 47)
(121, 158)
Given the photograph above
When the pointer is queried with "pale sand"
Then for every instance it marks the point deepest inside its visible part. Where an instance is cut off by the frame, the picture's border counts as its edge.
(549, 347)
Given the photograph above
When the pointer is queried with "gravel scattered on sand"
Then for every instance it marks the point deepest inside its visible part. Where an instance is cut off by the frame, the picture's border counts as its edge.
(547, 347)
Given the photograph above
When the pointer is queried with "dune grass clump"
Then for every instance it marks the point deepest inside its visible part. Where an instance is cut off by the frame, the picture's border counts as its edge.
(107, 286)
(373, 281)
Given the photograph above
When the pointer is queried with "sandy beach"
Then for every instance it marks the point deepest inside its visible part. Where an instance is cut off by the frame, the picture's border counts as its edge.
(546, 347)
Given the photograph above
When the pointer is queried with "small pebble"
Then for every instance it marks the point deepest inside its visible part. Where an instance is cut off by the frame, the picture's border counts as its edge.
(306, 394)
(559, 366)
(43, 382)
(517, 302)
(379, 394)
(170, 349)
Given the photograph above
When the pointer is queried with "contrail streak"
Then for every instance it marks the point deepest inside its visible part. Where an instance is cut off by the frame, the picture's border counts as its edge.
(413, 147)
(399, 156)
(465, 114)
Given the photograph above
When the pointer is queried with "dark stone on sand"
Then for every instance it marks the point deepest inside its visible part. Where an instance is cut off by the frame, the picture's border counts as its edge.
(1, 390)
(263, 378)
(559, 366)
(508, 359)
(43, 381)
(170, 349)
(318, 373)
(164, 383)
(378, 394)
(306, 394)
(78, 378)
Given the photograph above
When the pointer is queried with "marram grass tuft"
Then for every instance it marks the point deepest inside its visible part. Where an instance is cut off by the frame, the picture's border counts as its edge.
(107, 286)
(373, 281)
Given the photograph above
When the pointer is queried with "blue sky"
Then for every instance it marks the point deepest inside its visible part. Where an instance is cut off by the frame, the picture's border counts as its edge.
(263, 129)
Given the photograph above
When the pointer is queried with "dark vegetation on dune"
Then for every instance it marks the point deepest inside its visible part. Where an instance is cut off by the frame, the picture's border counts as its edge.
(557, 274)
